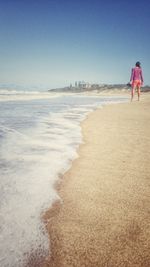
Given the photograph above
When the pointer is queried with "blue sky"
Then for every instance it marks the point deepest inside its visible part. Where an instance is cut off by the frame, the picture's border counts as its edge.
(52, 43)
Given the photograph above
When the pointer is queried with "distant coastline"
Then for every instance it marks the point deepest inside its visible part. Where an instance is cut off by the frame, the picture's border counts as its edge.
(79, 88)
(97, 88)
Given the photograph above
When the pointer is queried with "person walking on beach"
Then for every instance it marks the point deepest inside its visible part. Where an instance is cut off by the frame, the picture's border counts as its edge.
(136, 80)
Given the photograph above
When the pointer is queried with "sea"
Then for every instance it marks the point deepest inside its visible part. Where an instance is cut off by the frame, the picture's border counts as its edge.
(40, 133)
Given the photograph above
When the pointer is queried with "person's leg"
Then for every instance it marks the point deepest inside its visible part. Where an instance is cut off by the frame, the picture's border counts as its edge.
(139, 89)
(132, 92)
(139, 92)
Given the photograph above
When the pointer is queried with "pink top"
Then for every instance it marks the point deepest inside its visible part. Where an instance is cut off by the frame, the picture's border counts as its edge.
(136, 74)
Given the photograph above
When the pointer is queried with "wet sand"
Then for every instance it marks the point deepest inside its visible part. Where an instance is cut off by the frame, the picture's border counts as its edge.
(104, 217)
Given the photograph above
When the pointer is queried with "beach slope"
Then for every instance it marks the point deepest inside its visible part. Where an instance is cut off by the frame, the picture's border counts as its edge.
(104, 217)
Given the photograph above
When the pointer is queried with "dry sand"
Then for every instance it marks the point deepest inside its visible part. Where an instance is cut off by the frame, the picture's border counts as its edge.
(104, 219)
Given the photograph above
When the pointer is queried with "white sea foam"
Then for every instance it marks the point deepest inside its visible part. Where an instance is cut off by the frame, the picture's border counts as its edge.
(26, 97)
(18, 95)
(32, 159)
(28, 188)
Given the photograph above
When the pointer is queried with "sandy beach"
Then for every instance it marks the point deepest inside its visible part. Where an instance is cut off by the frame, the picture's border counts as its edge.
(104, 217)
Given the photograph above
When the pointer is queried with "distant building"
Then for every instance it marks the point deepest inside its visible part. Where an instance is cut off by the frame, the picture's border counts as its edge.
(82, 84)
(76, 84)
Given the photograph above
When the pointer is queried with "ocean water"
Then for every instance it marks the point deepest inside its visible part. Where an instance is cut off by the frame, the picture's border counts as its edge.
(39, 137)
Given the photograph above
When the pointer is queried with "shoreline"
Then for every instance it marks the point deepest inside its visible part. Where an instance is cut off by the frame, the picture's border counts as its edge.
(98, 222)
